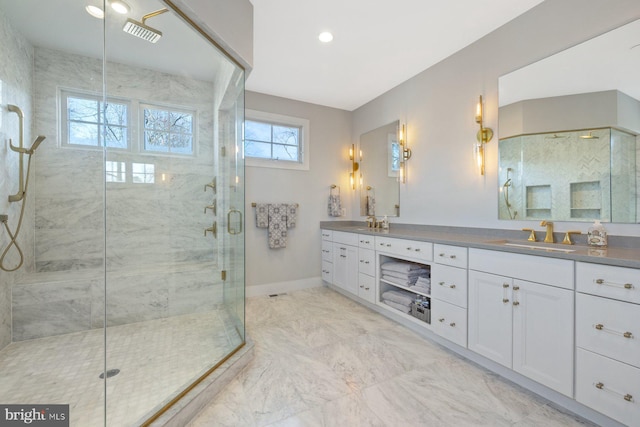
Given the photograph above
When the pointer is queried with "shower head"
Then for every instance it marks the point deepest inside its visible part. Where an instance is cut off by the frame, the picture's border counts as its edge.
(139, 29)
(36, 144)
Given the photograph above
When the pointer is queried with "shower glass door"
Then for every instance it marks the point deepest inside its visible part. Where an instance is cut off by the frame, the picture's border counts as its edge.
(174, 265)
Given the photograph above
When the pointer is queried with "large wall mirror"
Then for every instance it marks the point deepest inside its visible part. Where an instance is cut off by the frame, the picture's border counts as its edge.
(569, 127)
(380, 167)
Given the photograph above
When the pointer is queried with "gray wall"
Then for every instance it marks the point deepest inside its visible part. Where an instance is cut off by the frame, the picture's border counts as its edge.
(438, 105)
(330, 131)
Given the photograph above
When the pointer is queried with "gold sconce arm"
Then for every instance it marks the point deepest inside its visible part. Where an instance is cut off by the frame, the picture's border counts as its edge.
(355, 166)
(405, 154)
(483, 136)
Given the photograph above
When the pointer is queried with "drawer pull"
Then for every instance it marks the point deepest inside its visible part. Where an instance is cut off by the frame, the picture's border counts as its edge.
(444, 255)
(625, 396)
(452, 324)
(417, 249)
(615, 285)
(409, 248)
(366, 289)
(361, 286)
(441, 320)
(505, 285)
(366, 262)
(516, 288)
(505, 300)
(516, 303)
(452, 286)
(601, 327)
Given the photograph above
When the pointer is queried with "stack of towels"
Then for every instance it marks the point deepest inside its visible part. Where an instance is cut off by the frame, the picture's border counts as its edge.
(400, 300)
(404, 273)
(423, 285)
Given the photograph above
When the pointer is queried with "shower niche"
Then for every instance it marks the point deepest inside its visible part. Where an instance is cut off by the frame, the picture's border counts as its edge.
(118, 273)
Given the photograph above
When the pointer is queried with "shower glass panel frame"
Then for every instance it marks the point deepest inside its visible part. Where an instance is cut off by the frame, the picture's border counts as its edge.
(132, 289)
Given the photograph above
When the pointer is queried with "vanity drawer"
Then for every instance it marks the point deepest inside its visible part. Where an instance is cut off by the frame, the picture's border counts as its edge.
(608, 281)
(326, 234)
(327, 250)
(327, 271)
(449, 284)
(367, 261)
(605, 385)
(455, 256)
(449, 321)
(367, 288)
(608, 327)
(345, 238)
(366, 241)
(550, 271)
(421, 251)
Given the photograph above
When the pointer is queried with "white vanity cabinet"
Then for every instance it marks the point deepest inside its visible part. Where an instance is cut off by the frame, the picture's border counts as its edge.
(345, 261)
(525, 325)
(327, 256)
(366, 269)
(608, 340)
(449, 293)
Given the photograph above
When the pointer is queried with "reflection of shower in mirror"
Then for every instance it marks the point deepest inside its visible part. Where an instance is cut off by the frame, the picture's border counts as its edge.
(505, 193)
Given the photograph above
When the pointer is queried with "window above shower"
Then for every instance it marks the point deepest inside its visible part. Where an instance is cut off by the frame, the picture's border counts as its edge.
(86, 121)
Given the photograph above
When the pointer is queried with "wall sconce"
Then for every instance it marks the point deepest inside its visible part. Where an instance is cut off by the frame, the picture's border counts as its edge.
(355, 166)
(484, 135)
(405, 154)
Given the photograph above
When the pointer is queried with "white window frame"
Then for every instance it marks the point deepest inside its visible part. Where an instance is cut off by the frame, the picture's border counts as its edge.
(171, 108)
(280, 119)
(65, 93)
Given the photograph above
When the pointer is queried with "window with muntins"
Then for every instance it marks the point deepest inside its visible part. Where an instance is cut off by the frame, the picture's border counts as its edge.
(273, 141)
(90, 122)
(168, 130)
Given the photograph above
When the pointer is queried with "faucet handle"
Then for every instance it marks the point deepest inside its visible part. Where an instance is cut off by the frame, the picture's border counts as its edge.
(532, 236)
(567, 237)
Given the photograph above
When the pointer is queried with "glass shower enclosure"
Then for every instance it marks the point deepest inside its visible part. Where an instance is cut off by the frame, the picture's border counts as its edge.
(132, 283)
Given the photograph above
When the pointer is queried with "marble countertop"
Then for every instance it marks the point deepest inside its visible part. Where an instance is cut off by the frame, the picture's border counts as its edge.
(625, 255)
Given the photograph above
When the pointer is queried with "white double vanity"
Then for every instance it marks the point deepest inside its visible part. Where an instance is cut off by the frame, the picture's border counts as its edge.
(565, 325)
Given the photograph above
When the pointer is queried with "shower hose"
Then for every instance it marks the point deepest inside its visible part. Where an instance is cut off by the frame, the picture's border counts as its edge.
(14, 236)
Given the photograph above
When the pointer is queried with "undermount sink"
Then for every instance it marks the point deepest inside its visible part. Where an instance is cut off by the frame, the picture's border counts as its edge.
(538, 246)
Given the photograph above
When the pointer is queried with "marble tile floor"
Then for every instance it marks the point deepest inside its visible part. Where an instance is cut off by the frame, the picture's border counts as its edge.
(324, 360)
(156, 359)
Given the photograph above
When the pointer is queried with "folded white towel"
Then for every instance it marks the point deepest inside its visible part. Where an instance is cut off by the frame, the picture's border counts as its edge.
(400, 266)
(423, 281)
(399, 297)
(413, 275)
(422, 289)
(397, 281)
(400, 307)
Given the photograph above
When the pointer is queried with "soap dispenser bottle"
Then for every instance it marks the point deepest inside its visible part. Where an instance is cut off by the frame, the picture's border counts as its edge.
(385, 223)
(597, 235)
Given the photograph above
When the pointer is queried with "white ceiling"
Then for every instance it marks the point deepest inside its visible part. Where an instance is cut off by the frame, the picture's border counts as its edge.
(377, 44)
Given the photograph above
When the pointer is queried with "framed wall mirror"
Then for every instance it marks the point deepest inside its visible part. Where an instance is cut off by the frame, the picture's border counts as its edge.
(569, 127)
(379, 171)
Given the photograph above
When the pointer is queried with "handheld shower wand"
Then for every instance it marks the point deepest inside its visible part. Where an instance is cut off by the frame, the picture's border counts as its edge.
(505, 188)
(22, 190)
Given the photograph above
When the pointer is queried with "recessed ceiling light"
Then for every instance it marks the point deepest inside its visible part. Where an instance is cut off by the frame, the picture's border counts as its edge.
(120, 7)
(325, 37)
(95, 11)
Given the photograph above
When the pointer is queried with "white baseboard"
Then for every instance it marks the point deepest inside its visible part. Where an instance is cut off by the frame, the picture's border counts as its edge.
(280, 287)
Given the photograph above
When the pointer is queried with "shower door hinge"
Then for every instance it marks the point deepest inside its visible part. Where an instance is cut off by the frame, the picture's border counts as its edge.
(223, 275)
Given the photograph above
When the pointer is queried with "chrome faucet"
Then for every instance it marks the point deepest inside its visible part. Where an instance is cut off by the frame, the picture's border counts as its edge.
(548, 238)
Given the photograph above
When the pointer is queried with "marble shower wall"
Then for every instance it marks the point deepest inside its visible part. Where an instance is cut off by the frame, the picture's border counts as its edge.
(16, 70)
(146, 224)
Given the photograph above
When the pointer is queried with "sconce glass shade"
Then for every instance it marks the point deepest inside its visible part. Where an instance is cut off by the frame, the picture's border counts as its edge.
(405, 154)
(483, 136)
(355, 166)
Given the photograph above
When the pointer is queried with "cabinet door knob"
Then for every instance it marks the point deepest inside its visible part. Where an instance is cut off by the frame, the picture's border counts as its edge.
(516, 288)
(388, 245)
(417, 249)
(452, 286)
(409, 248)
(505, 300)
(366, 289)
(452, 324)
(505, 285)
(516, 303)
(628, 397)
(441, 320)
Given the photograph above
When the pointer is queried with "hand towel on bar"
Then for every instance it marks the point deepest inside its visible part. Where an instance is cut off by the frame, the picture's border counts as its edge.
(292, 213)
(277, 225)
(262, 215)
(371, 205)
(335, 205)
